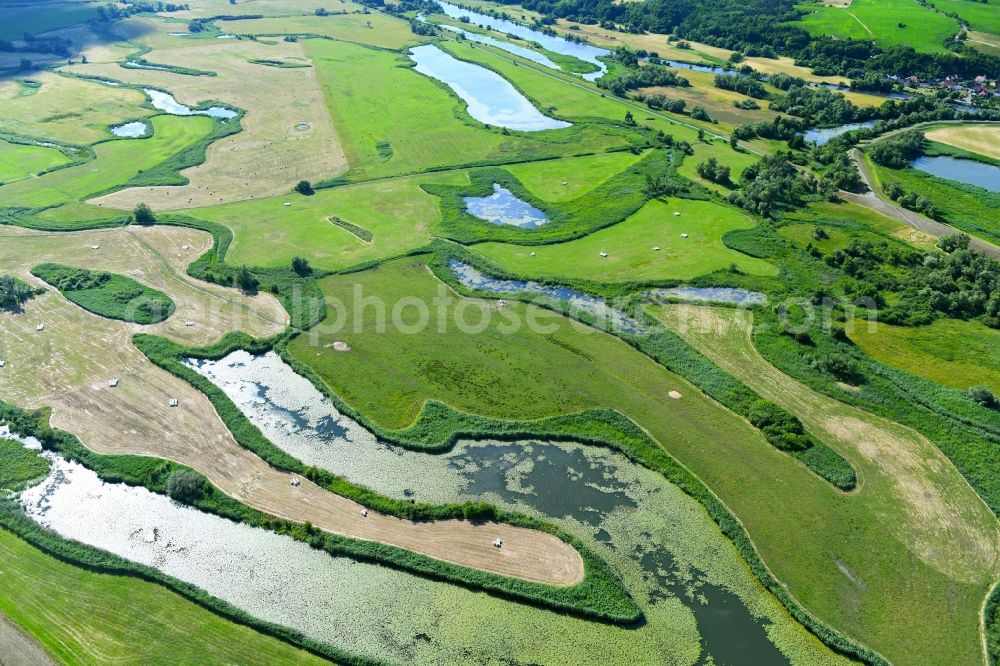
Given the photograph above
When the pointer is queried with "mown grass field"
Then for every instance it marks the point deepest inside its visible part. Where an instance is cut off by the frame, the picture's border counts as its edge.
(66, 109)
(399, 215)
(567, 179)
(983, 139)
(878, 595)
(955, 353)
(20, 161)
(878, 20)
(630, 244)
(90, 618)
(116, 162)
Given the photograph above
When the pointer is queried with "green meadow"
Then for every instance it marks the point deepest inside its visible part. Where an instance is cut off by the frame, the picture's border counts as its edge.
(83, 617)
(19, 161)
(737, 161)
(981, 16)
(880, 21)
(116, 162)
(955, 353)
(396, 212)
(566, 179)
(630, 245)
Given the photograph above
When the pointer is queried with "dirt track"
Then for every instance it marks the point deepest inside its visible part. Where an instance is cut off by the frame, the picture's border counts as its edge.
(875, 202)
(19, 648)
(67, 366)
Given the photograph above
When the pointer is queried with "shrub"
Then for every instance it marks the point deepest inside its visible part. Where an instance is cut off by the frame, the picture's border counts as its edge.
(185, 485)
(304, 187)
(301, 266)
(983, 396)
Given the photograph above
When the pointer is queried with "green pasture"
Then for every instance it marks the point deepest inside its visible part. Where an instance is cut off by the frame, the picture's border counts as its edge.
(398, 214)
(393, 120)
(878, 20)
(836, 239)
(879, 595)
(981, 16)
(116, 163)
(19, 161)
(83, 617)
(567, 179)
(955, 353)
(629, 246)
(374, 28)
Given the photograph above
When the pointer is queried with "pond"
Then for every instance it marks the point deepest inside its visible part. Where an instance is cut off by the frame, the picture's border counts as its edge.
(571, 302)
(554, 43)
(131, 130)
(164, 101)
(502, 207)
(526, 53)
(491, 99)
(588, 490)
(819, 136)
(970, 172)
(711, 295)
(700, 68)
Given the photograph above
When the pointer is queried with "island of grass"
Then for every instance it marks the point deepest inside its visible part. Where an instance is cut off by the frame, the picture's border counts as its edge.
(19, 466)
(107, 294)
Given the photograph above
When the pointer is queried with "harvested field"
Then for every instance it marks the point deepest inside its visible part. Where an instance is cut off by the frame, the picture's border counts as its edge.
(287, 132)
(67, 367)
(983, 139)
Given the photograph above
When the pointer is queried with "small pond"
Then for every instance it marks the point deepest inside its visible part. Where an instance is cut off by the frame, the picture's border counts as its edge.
(556, 44)
(526, 53)
(700, 68)
(131, 130)
(164, 101)
(711, 295)
(819, 136)
(571, 302)
(970, 172)
(502, 207)
(491, 98)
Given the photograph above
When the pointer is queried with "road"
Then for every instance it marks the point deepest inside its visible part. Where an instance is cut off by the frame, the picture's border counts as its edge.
(876, 202)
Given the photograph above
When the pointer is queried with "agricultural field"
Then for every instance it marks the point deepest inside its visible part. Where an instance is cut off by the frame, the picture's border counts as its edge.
(983, 139)
(332, 334)
(950, 352)
(886, 22)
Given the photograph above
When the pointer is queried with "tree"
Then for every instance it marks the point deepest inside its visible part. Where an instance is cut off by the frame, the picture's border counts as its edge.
(953, 242)
(629, 118)
(143, 215)
(185, 485)
(246, 281)
(983, 396)
(13, 293)
(301, 266)
(321, 11)
(305, 187)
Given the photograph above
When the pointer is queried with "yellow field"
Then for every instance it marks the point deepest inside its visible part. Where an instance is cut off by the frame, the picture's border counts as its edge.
(983, 139)
(287, 133)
